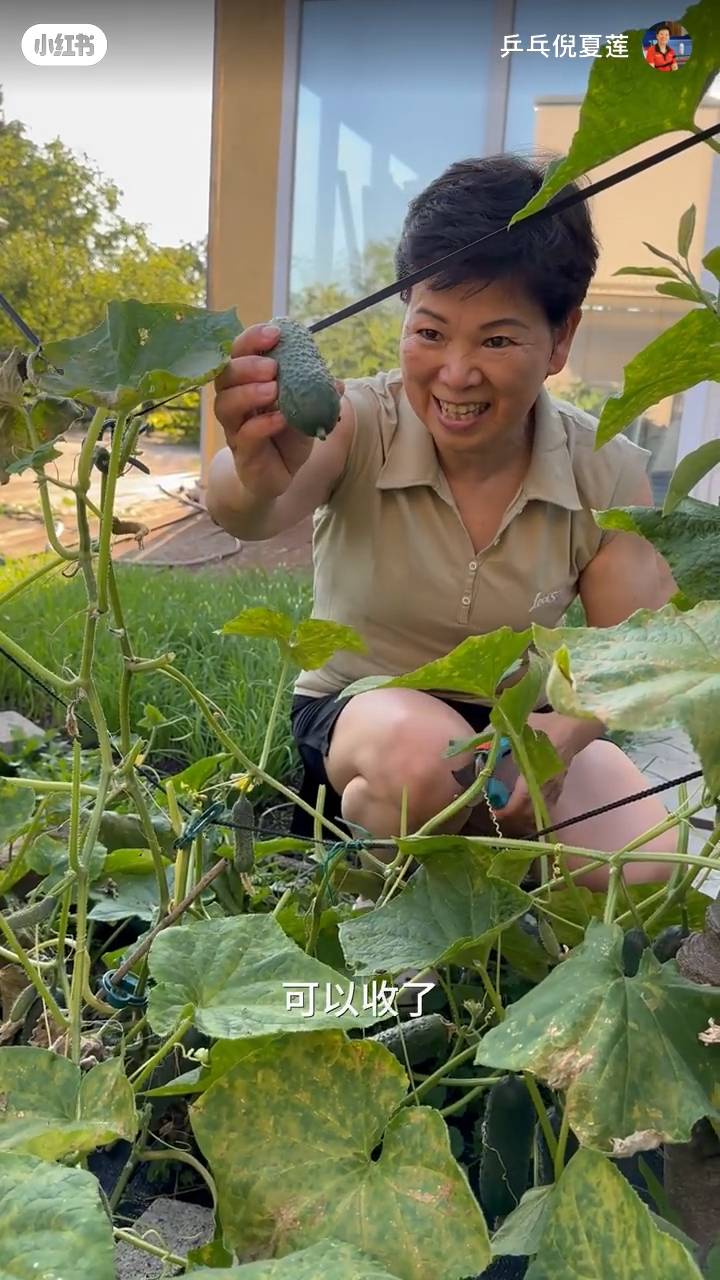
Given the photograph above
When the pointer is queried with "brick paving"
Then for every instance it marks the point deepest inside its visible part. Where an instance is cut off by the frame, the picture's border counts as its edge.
(662, 755)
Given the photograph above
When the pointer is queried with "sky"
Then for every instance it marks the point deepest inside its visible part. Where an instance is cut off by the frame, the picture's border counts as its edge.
(143, 114)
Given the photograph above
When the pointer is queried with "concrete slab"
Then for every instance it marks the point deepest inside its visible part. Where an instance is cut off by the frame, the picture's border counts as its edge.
(14, 727)
(173, 1225)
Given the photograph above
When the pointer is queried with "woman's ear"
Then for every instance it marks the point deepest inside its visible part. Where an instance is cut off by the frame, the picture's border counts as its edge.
(563, 340)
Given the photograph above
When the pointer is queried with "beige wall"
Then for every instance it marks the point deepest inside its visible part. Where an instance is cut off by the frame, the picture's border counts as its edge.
(647, 207)
(247, 99)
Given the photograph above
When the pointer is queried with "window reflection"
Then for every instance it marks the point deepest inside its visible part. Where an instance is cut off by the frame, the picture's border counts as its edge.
(391, 91)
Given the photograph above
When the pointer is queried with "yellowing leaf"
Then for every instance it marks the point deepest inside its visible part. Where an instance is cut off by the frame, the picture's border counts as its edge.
(651, 671)
(51, 1109)
(626, 1049)
(52, 1223)
(305, 1168)
(596, 1226)
(329, 1260)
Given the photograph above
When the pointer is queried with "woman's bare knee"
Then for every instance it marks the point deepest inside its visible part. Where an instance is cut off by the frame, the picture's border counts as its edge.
(387, 744)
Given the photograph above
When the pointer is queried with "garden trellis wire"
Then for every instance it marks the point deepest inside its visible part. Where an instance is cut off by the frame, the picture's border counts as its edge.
(556, 205)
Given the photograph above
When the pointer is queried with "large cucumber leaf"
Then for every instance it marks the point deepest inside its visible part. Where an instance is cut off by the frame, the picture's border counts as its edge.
(306, 1168)
(626, 1050)
(654, 670)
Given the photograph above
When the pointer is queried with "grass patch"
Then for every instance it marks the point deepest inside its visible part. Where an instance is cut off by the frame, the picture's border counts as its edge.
(169, 610)
(166, 610)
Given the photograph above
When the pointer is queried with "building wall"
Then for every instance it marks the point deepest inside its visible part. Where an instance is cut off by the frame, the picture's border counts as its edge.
(625, 313)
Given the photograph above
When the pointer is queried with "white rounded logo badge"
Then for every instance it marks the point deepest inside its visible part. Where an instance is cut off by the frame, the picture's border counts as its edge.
(54, 44)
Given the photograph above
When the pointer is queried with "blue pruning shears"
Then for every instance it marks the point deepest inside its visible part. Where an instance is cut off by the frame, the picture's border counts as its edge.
(497, 793)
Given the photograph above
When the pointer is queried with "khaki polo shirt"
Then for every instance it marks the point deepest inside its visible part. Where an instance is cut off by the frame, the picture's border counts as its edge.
(393, 560)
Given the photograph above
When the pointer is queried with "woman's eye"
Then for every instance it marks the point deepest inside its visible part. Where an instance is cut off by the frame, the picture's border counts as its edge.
(500, 342)
(430, 334)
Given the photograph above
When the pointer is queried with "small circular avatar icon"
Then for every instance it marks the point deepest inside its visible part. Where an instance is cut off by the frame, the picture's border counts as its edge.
(667, 46)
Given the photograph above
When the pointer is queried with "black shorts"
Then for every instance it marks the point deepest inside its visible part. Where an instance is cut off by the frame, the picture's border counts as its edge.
(312, 721)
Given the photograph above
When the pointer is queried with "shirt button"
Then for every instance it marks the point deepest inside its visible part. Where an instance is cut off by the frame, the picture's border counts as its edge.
(472, 565)
(466, 599)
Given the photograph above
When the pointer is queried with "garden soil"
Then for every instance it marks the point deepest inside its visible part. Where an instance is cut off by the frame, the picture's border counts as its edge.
(166, 501)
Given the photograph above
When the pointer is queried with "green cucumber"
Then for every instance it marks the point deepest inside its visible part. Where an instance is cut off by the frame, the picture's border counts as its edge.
(34, 913)
(307, 396)
(424, 1037)
(125, 831)
(668, 942)
(634, 943)
(508, 1134)
(243, 824)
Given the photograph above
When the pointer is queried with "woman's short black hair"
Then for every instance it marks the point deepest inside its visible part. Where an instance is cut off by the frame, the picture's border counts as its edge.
(553, 259)
(662, 26)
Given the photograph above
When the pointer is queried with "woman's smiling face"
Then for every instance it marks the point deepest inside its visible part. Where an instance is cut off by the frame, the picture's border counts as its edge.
(474, 360)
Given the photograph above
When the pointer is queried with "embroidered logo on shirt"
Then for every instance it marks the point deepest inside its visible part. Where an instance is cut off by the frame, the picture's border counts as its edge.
(540, 600)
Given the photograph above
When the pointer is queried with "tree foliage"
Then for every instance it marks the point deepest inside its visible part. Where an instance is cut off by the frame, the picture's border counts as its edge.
(67, 250)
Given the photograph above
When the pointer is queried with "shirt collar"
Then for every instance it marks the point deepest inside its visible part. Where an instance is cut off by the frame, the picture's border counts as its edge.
(411, 458)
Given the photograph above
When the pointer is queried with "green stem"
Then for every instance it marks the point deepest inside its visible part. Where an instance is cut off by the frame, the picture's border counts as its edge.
(235, 751)
(559, 1157)
(185, 1158)
(492, 994)
(60, 961)
(85, 459)
(32, 974)
(438, 1076)
(474, 1093)
(130, 1166)
(138, 1079)
(74, 830)
(105, 543)
(135, 790)
(542, 1114)
(30, 664)
(129, 1237)
(49, 788)
(615, 877)
(475, 789)
(274, 710)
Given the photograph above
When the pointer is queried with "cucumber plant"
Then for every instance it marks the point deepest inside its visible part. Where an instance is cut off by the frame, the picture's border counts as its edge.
(335, 1133)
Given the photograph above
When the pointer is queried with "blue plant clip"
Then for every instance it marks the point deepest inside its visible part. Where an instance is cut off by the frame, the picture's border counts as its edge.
(124, 994)
(198, 823)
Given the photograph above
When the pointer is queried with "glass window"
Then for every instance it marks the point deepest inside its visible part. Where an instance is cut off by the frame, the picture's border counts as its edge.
(390, 93)
(623, 313)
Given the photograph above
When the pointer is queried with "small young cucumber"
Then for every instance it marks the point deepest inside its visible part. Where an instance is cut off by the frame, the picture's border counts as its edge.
(34, 913)
(307, 396)
(423, 1037)
(668, 942)
(634, 943)
(243, 823)
(508, 1133)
